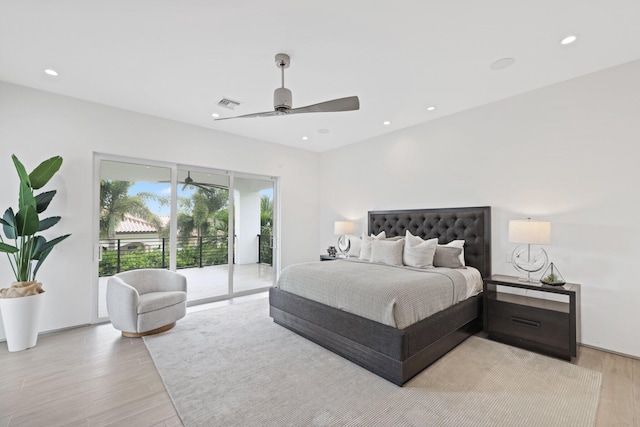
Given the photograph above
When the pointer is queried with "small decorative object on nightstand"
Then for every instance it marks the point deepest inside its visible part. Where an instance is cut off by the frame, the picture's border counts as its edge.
(552, 276)
(532, 315)
(331, 250)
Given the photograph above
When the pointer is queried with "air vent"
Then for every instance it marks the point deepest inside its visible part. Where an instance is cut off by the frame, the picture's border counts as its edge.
(228, 103)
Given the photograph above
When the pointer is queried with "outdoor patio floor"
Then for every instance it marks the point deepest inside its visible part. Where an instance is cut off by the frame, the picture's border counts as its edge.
(210, 282)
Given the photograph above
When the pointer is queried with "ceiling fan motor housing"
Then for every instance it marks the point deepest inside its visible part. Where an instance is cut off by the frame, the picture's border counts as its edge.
(282, 99)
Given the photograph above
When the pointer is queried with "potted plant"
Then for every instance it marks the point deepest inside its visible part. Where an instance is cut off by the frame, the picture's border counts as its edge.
(26, 250)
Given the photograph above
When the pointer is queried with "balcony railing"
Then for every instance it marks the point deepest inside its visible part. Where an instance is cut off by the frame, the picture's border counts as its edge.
(135, 253)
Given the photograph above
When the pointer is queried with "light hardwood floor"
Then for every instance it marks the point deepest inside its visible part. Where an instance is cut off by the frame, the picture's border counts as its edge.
(91, 376)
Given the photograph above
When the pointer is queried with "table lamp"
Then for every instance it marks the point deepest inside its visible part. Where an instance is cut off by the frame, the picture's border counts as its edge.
(528, 258)
(343, 229)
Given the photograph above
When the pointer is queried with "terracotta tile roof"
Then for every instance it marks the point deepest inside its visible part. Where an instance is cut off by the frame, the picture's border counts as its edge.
(131, 224)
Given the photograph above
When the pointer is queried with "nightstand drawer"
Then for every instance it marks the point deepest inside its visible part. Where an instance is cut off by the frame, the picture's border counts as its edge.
(530, 323)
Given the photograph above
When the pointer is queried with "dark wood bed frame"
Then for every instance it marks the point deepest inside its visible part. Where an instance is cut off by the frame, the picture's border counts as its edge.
(398, 354)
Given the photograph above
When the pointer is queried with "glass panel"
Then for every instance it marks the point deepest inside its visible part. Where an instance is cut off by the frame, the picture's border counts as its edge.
(135, 203)
(253, 228)
(203, 229)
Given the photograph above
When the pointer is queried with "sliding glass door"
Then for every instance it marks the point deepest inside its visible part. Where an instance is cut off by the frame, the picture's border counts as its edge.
(203, 232)
(134, 219)
(253, 201)
(217, 228)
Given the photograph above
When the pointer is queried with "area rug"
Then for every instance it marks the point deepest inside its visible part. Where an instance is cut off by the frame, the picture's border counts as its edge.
(232, 366)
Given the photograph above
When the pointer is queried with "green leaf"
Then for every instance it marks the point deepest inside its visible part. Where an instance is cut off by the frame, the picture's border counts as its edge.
(25, 197)
(8, 248)
(37, 246)
(48, 245)
(43, 173)
(43, 256)
(48, 223)
(22, 172)
(27, 222)
(9, 224)
(43, 200)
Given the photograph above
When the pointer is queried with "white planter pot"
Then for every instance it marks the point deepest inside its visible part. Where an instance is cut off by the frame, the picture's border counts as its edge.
(21, 318)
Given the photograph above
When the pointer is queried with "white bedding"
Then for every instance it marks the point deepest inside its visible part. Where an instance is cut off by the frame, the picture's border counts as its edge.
(397, 296)
(474, 280)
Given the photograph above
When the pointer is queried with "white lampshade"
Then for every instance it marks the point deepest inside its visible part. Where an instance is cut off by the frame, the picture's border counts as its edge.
(343, 227)
(531, 232)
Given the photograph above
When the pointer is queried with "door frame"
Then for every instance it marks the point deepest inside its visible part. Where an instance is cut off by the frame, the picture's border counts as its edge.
(174, 167)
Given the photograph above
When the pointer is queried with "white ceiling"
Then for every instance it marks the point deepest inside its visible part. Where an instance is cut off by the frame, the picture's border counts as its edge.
(176, 59)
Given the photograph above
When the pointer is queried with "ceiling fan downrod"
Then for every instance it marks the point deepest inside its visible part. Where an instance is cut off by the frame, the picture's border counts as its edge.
(282, 97)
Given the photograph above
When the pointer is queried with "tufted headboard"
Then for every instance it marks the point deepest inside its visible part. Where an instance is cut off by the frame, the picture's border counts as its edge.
(471, 224)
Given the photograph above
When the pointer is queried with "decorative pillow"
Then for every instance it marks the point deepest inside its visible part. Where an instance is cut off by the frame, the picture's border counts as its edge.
(384, 251)
(365, 248)
(395, 238)
(454, 244)
(419, 253)
(356, 244)
(448, 256)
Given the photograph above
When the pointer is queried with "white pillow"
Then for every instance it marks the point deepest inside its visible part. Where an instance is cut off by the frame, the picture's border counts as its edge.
(384, 251)
(365, 248)
(419, 253)
(456, 244)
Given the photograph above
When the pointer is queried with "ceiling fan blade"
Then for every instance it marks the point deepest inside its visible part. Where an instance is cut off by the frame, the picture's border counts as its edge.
(265, 114)
(343, 104)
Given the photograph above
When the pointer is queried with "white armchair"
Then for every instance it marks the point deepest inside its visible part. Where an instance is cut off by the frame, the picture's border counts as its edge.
(146, 301)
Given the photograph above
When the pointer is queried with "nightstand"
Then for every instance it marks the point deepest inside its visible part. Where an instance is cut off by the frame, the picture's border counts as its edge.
(327, 258)
(532, 315)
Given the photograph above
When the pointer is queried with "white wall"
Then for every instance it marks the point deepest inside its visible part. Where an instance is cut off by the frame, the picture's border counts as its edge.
(567, 153)
(36, 125)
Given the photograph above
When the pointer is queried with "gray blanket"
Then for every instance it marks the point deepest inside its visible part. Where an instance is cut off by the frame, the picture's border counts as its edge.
(394, 296)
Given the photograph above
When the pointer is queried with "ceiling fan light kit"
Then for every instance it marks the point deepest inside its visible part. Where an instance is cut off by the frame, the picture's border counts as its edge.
(282, 99)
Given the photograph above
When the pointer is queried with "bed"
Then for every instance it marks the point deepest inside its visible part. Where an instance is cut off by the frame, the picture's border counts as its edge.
(398, 354)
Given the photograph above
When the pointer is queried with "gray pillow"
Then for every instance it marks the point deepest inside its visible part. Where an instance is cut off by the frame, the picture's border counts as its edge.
(387, 251)
(447, 256)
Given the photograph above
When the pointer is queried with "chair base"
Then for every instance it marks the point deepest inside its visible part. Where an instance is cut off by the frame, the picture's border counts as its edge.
(151, 332)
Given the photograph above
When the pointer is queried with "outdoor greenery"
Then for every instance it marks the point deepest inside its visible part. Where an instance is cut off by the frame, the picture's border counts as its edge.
(203, 225)
(266, 228)
(197, 252)
(115, 202)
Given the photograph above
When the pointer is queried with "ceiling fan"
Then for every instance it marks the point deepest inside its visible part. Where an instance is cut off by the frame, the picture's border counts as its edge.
(282, 99)
(203, 185)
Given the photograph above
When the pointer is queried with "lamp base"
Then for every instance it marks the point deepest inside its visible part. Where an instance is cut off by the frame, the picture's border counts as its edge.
(344, 244)
(528, 260)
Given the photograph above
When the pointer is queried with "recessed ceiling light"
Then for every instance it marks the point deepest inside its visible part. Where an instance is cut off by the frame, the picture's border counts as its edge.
(569, 39)
(386, 123)
(215, 115)
(323, 130)
(51, 72)
(503, 63)
(431, 108)
(304, 138)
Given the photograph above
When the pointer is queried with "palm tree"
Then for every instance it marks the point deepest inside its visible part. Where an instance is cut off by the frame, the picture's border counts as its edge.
(266, 211)
(115, 202)
(203, 212)
(266, 228)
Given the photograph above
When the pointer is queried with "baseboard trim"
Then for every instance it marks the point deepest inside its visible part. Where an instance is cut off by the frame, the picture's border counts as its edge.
(617, 353)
